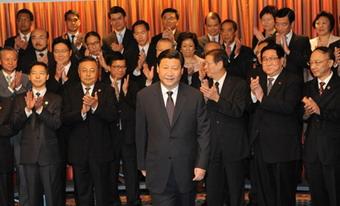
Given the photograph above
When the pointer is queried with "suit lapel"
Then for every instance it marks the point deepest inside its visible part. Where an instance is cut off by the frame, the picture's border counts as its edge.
(328, 92)
(278, 83)
(180, 102)
(3, 80)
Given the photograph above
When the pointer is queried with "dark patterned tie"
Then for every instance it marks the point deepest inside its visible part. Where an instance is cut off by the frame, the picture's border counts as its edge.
(321, 88)
(217, 85)
(269, 84)
(170, 106)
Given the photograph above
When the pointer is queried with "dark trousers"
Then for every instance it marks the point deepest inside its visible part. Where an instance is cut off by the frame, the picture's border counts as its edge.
(172, 195)
(324, 183)
(44, 179)
(225, 182)
(92, 182)
(6, 189)
(275, 182)
(126, 153)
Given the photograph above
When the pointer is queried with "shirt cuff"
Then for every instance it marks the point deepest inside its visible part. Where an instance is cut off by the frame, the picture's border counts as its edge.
(253, 97)
(83, 115)
(10, 89)
(18, 88)
(136, 72)
(28, 112)
(148, 83)
(38, 111)
(93, 109)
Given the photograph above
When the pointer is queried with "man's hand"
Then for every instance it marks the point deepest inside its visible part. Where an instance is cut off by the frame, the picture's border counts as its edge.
(143, 172)
(117, 47)
(310, 106)
(19, 43)
(148, 72)
(125, 85)
(210, 93)
(199, 174)
(256, 88)
(29, 99)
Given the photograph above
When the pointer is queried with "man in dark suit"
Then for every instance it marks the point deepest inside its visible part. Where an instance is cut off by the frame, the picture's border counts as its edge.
(212, 24)
(73, 35)
(6, 154)
(22, 41)
(239, 56)
(38, 53)
(227, 100)
(123, 131)
(297, 48)
(170, 17)
(172, 135)
(121, 38)
(335, 47)
(276, 130)
(37, 114)
(322, 113)
(89, 108)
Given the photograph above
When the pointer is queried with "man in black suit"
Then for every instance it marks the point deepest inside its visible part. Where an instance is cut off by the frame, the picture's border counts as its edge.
(335, 47)
(89, 108)
(37, 114)
(227, 99)
(73, 35)
(123, 131)
(239, 56)
(6, 154)
(276, 130)
(212, 24)
(22, 41)
(297, 48)
(172, 135)
(322, 113)
(38, 53)
(170, 17)
(121, 38)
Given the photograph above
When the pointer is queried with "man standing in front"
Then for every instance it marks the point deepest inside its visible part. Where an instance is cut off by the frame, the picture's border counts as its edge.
(172, 135)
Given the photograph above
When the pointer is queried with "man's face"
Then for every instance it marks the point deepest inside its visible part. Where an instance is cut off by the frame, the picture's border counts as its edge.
(39, 39)
(141, 34)
(228, 33)
(271, 63)
(72, 23)
(162, 46)
(169, 20)
(94, 45)
(8, 60)
(24, 23)
(88, 72)
(212, 26)
(62, 54)
(213, 69)
(118, 21)
(118, 69)
(170, 72)
(320, 64)
(38, 76)
(282, 25)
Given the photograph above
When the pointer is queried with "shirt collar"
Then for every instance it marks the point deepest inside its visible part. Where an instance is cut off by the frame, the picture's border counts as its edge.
(42, 92)
(91, 88)
(145, 47)
(27, 35)
(212, 38)
(325, 80)
(174, 93)
(231, 45)
(274, 77)
(289, 36)
(122, 32)
(12, 75)
(44, 52)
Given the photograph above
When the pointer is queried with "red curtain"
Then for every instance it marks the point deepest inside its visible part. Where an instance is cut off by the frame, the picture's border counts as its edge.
(49, 15)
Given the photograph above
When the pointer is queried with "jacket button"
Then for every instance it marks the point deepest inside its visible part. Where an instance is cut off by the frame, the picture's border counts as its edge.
(169, 158)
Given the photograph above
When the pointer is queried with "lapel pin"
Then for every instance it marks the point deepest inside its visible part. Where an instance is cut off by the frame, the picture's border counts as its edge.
(46, 103)
(328, 87)
(0, 107)
(99, 90)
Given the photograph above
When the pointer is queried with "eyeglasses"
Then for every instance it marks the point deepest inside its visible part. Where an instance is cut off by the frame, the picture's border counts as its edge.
(269, 59)
(316, 62)
(118, 67)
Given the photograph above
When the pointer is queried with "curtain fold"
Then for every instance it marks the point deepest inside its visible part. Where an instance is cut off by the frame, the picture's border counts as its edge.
(93, 14)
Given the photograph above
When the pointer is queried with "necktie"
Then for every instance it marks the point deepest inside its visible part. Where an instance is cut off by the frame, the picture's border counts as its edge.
(8, 79)
(72, 38)
(142, 50)
(217, 85)
(37, 94)
(25, 38)
(321, 88)
(170, 107)
(115, 85)
(269, 84)
(228, 50)
(41, 54)
(120, 38)
(87, 90)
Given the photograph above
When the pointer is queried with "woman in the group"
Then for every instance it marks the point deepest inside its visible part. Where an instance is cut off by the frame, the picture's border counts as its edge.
(267, 20)
(323, 24)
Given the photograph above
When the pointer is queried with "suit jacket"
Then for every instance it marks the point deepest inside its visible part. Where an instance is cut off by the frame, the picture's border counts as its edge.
(39, 143)
(323, 131)
(130, 45)
(242, 64)
(93, 132)
(5, 92)
(6, 149)
(29, 58)
(277, 125)
(228, 120)
(10, 42)
(180, 147)
(76, 53)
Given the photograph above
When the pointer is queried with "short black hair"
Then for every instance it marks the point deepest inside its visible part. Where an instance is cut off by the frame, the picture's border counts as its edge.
(115, 10)
(116, 56)
(278, 48)
(325, 50)
(87, 59)
(330, 18)
(213, 15)
(184, 36)
(234, 24)
(25, 11)
(219, 55)
(38, 64)
(171, 54)
(170, 10)
(69, 12)
(62, 41)
(141, 22)
(272, 10)
(91, 33)
(286, 12)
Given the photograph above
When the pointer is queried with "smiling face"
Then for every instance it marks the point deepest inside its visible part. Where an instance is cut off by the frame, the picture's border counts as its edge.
(62, 54)
(322, 26)
(8, 60)
(271, 63)
(320, 64)
(212, 26)
(38, 76)
(188, 48)
(88, 72)
(170, 72)
(39, 39)
(118, 69)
